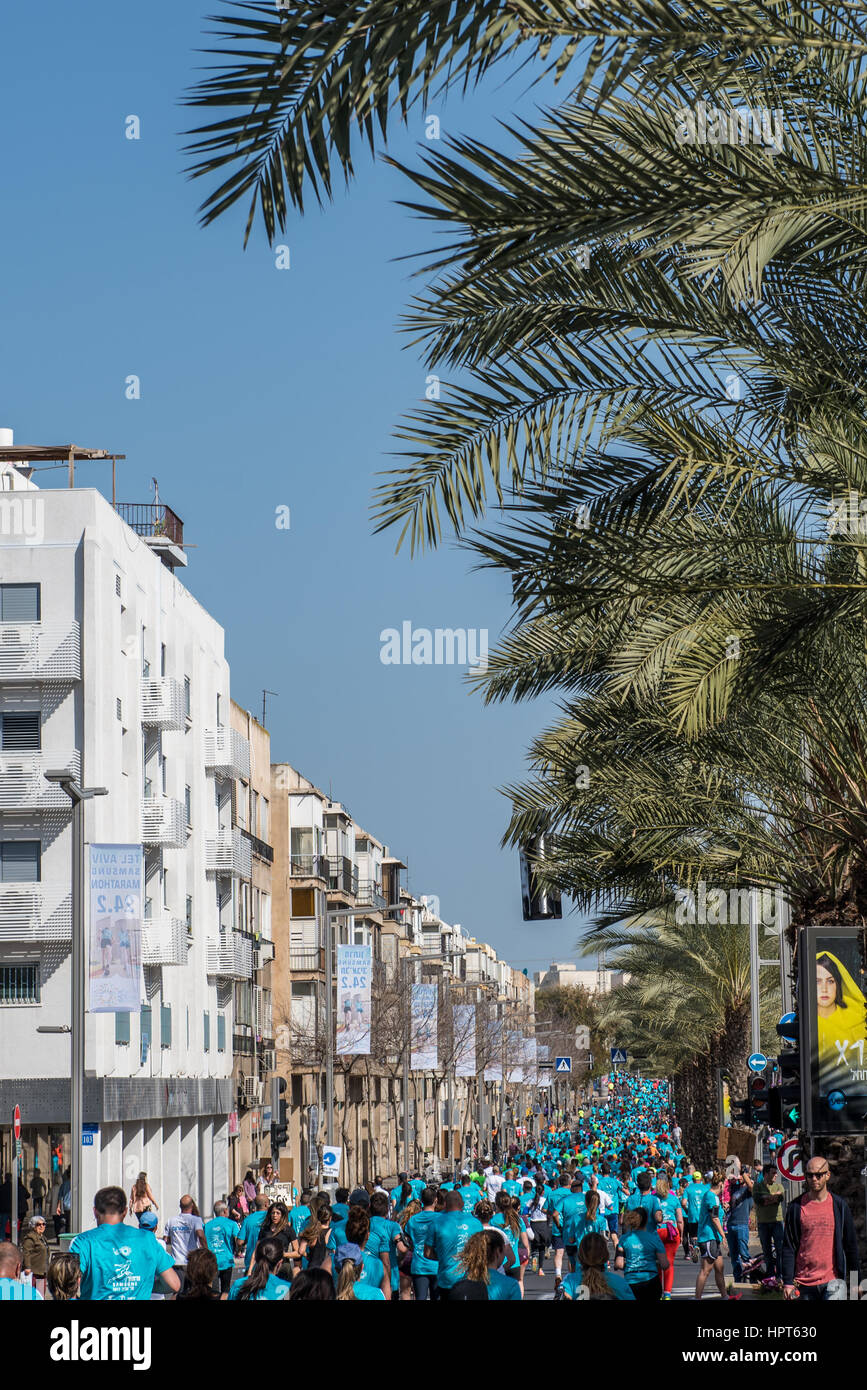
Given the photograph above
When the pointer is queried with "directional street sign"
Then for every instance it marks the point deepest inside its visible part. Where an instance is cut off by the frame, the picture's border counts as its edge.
(757, 1062)
(562, 1063)
(618, 1056)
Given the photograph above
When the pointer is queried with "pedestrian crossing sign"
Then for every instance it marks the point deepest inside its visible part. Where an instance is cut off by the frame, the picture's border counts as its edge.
(618, 1056)
(562, 1063)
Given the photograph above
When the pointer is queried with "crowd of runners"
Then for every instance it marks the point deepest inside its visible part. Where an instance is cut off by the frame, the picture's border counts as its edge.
(604, 1205)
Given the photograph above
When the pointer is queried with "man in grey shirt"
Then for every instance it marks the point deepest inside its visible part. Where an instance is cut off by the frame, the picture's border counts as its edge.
(184, 1234)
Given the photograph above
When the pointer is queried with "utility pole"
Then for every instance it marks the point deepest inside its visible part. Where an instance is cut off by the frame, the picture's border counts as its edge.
(77, 795)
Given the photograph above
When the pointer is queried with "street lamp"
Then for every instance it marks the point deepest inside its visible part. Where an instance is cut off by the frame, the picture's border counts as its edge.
(77, 795)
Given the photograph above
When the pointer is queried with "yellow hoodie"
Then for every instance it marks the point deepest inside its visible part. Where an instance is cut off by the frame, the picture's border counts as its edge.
(847, 1024)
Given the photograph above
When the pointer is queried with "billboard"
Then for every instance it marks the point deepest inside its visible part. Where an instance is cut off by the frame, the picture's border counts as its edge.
(424, 1028)
(354, 969)
(115, 953)
(465, 1039)
(834, 1036)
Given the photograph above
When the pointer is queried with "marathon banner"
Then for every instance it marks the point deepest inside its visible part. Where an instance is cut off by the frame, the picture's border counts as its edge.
(354, 971)
(531, 1073)
(115, 954)
(494, 1068)
(516, 1058)
(465, 1039)
(424, 1028)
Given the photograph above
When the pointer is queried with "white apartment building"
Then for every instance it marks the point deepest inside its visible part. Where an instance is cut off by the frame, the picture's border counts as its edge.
(110, 667)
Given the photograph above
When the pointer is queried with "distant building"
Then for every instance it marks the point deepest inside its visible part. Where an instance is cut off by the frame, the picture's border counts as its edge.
(562, 974)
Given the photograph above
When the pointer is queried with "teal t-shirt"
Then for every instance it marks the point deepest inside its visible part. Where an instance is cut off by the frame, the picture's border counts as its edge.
(640, 1249)
(582, 1226)
(250, 1232)
(450, 1234)
(501, 1287)
(388, 1232)
(220, 1235)
(274, 1290)
(708, 1209)
(119, 1262)
(419, 1229)
(616, 1283)
(651, 1204)
(471, 1195)
(366, 1293)
(694, 1194)
(298, 1218)
(372, 1270)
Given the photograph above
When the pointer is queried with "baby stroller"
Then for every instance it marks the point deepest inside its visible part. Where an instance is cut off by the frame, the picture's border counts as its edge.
(755, 1271)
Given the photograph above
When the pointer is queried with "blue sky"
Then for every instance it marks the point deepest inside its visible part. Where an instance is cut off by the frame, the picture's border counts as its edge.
(260, 388)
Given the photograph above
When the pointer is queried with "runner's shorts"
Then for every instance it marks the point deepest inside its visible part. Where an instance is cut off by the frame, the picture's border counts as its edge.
(709, 1249)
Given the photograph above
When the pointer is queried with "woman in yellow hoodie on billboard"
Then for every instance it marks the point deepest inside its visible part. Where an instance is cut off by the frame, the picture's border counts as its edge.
(842, 1024)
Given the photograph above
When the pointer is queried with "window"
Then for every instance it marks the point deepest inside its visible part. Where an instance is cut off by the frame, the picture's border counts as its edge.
(189, 915)
(121, 1029)
(118, 709)
(188, 1027)
(20, 731)
(362, 844)
(254, 812)
(117, 591)
(19, 984)
(207, 1031)
(145, 1024)
(20, 861)
(162, 658)
(219, 715)
(265, 820)
(188, 805)
(165, 1025)
(221, 1032)
(187, 698)
(145, 664)
(20, 603)
(303, 902)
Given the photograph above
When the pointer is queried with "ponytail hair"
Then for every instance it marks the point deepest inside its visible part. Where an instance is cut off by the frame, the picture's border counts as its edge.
(592, 1255)
(474, 1257)
(591, 1202)
(506, 1208)
(267, 1258)
(357, 1226)
(349, 1272)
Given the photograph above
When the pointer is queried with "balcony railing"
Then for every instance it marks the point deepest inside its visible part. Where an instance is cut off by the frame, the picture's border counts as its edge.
(163, 822)
(165, 940)
(40, 652)
(259, 847)
(229, 956)
(308, 866)
(162, 703)
(228, 852)
(152, 519)
(35, 912)
(309, 960)
(227, 752)
(23, 787)
(369, 894)
(342, 876)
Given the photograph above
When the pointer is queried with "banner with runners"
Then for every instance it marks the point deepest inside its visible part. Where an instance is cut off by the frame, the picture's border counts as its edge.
(424, 1028)
(354, 972)
(115, 955)
(465, 1039)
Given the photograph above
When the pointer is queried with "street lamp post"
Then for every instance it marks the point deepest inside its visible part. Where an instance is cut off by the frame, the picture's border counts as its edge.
(77, 795)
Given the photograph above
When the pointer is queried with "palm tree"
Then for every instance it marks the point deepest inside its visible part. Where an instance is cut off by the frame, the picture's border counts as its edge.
(307, 83)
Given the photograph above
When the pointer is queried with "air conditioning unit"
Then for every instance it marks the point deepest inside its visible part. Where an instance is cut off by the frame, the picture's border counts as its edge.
(252, 1090)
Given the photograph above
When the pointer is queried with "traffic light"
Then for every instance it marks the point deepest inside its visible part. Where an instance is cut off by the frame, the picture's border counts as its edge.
(758, 1100)
(784, 1101)
(741, 1113)
(537, 904)
(279, 1129)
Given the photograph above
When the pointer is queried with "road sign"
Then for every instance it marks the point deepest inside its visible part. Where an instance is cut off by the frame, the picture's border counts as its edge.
(331, 1160)
(618, 1056)
(787, 1028)
(562, 1063)
(16, 1122)
(757, 1062)
(87, 1133)
(790, 1162)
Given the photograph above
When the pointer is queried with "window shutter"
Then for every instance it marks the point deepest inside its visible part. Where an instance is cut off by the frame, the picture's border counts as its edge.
(207, 1023)
(121, 1028)
(21, 731)
(221, 1032)
(20, 861)
(19, 603)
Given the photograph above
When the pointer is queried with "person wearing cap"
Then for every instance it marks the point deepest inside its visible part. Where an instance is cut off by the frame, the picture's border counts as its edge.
(349, 1263)
(691, 1207)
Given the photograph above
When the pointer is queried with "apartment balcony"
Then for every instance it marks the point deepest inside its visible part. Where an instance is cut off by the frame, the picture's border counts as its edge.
(230, 956)
(163, 822)
(40, 652)
(307, 960)
(369, 894)
(165, 940)
(35, 912)
(159, 527)
(259, 847)
(162, 703)
(342, 876)
(24, 788)
(308, 866)
(227, 753)
(228, 852)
